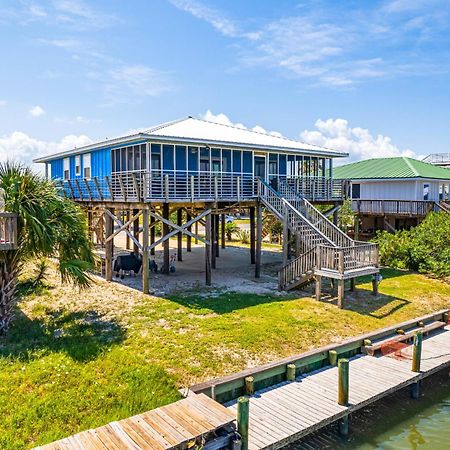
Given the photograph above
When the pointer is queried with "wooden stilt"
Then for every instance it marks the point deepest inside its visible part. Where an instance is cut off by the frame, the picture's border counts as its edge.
(180, 235)
(145, 253)
(109, 246)
(336, 216)
(213, 241)
(285, 238)
(252, 234)
(166, 248)
(189, 238)
(217, 235)
(136, 232)
(152, 234)
(258, 240)
(318, 287)
(196, 232)
(208, 249)
(341, 286)
(375, 284)
(352, 284)
(127, 238)
(222, 230)
(356, 227)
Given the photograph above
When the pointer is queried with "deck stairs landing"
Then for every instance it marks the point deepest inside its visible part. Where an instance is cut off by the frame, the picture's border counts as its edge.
(325, 249)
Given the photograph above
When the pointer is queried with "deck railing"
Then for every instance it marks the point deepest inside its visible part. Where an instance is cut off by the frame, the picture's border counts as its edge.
(393, 207)
(8, 231)
(162, 185)
(343, 259)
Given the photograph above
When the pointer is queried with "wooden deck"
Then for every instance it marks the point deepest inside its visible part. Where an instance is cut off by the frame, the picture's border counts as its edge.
(285, 412)
(176, 426)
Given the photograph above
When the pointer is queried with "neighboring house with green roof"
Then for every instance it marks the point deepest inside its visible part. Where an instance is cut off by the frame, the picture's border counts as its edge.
(398, 178)
(401, 191)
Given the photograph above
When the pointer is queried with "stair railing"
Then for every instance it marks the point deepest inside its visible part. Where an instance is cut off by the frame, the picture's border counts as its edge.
(296, 268)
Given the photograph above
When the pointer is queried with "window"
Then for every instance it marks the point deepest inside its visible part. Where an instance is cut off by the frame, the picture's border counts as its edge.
(66, 166)
(356, 190)
(77, 165)
(155, 162)
(87, 165)
(426, 191)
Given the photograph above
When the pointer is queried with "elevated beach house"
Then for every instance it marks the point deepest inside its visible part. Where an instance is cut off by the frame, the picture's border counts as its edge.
(395, 193)
(202, 170)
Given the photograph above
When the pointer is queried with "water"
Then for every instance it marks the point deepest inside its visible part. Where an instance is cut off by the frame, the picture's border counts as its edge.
(396, 423)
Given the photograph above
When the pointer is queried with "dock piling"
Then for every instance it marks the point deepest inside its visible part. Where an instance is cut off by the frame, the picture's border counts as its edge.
(343, 375)
(243, 420)
(343, 426)
(417, 351)
(290, 372)
(332, 357)
(249, 385)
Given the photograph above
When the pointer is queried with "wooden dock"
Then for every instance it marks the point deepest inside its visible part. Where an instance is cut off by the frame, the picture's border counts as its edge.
(287, 411)
(180, 425)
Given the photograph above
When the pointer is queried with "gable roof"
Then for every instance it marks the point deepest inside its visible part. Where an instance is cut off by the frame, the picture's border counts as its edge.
(198, 131)
(383, 168)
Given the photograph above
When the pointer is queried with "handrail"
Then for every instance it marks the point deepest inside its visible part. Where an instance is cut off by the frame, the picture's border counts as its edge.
(303, 264)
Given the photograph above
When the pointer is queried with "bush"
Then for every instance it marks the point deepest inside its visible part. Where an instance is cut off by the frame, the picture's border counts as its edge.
(244, 236)
(230, 229)
(425, 248)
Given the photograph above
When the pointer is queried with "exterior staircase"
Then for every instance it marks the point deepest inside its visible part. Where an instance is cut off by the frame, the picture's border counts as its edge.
(325, 249)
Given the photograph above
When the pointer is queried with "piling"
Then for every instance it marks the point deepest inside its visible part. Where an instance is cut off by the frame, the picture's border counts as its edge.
(249, 385)
(242, 420)
(343, 372)
(290, 372)
(417, 351)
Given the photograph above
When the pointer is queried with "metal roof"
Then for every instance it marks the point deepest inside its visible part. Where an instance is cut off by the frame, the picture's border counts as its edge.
(390, 168)
(203, 132)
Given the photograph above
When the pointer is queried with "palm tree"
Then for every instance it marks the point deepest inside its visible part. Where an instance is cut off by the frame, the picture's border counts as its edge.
(49, 225)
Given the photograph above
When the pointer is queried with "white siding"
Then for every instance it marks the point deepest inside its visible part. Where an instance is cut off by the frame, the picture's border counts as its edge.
(398, 189)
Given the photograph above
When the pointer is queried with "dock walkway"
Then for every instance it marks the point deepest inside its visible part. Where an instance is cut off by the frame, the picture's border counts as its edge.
(287, 411)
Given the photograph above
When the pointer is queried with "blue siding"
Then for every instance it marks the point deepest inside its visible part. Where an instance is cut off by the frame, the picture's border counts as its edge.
(56, 168)
(101, 162)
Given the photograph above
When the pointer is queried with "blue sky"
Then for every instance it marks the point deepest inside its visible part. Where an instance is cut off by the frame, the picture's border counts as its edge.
(368, 77)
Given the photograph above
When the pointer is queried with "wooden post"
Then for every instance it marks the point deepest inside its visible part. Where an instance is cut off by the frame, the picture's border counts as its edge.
(285, 237)
(222, 231)
(213, 241)
(352, 284)
(290, 372)
(417, 351)
(343, 373)
(109, 246)
(180, 235)
(208, 249)
(188, 238)
(333, 357)
(249, 385)
(217, 234)
(318, 287)
(165, 231)
(415, 390)
(127, 236)
(145, 252)
(135, 232)
(152, 234)
(243, 420)
(196, 231)
(343, 426)
(375, 284)
(252, 234)
(258, 240)
(356, 227)
(336, 216)
(340, 300)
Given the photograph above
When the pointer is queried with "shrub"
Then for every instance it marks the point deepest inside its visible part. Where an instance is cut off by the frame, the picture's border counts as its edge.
(244, 236)
(425, 248)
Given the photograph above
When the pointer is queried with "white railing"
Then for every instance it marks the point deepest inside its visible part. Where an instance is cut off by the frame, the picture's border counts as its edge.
(343, 259)
(297, 268)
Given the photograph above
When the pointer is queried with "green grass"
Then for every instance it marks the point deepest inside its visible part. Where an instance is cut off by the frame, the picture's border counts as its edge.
(78, 360)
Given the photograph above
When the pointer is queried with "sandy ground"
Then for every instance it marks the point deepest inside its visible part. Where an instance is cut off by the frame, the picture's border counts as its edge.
(234, 273)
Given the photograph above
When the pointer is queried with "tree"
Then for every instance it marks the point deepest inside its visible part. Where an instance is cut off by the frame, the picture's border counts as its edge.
(49, 225)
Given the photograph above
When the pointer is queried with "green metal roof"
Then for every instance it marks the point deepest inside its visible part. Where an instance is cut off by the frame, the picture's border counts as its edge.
(381, 168)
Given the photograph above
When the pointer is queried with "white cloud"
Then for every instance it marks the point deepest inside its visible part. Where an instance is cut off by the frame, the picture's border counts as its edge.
(225, 120)
(24, 148)
(336, 134)
(37, 111)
